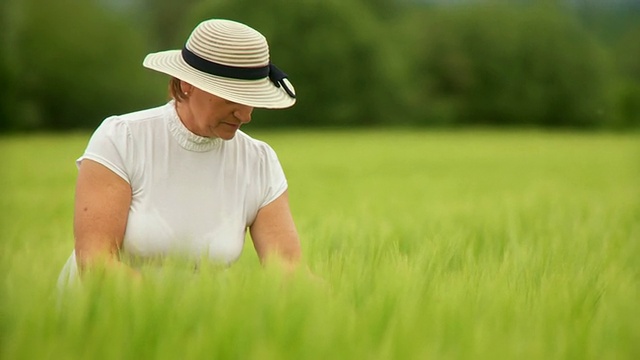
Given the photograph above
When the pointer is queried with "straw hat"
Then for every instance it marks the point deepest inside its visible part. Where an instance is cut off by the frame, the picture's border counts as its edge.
(230, 60)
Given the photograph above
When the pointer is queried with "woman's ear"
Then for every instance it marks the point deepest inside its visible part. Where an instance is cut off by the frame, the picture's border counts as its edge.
(185, 87)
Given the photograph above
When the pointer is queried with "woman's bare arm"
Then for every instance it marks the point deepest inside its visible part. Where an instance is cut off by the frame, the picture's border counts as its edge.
(274, 232)
(101, 210)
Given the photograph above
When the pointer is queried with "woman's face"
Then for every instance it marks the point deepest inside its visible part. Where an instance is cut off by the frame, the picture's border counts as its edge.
(208, 115)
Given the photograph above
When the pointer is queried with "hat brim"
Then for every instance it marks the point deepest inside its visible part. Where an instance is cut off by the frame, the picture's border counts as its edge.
(260, 93)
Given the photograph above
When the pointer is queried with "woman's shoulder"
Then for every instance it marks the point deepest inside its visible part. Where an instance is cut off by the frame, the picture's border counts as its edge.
(143, 115)
(133, 121)
(258, 150)
(246, 141)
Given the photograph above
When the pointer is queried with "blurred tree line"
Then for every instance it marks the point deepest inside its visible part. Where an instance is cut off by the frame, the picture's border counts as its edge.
(70, 63)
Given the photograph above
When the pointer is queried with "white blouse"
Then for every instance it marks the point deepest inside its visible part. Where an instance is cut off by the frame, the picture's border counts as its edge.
(191, 196)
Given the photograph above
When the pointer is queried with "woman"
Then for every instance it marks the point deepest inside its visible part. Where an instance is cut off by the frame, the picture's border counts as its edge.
(182, 179)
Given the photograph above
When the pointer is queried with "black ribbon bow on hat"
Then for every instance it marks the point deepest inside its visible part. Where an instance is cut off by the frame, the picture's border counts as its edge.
(277, 77)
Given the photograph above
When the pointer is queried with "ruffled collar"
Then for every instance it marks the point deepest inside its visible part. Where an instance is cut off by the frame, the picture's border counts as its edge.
(185, 137)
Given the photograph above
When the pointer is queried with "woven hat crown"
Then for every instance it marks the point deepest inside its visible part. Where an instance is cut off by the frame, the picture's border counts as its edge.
(229, 43)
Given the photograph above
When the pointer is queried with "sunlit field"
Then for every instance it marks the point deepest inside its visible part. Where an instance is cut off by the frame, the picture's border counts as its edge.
(422, 245)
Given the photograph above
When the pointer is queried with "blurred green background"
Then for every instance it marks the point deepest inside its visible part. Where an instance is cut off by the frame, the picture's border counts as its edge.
(68, 64)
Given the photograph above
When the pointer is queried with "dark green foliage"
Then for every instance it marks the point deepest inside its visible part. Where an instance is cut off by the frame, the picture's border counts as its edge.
(354, 63)
(510, 66)
(627, 53)
(72, 64)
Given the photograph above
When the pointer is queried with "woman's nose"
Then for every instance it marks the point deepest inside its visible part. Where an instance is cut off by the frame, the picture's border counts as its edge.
(243, 113)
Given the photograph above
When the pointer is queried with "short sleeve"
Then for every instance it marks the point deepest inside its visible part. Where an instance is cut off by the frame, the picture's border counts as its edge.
(274, 181)
(111, 146)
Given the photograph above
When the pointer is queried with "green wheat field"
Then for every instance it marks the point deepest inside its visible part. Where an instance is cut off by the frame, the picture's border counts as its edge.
(416, 245)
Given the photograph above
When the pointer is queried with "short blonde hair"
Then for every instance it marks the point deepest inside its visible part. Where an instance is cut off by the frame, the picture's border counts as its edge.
(175, 90)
